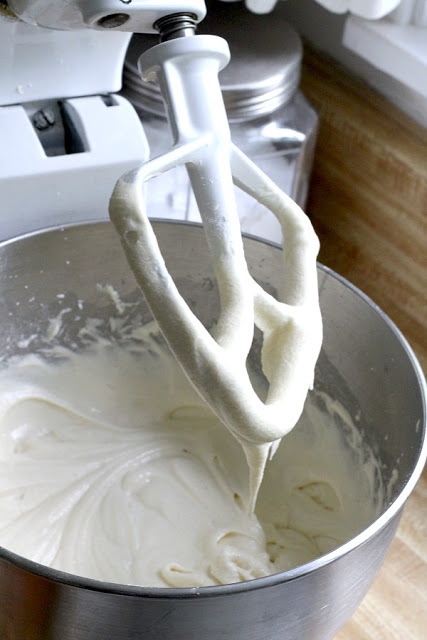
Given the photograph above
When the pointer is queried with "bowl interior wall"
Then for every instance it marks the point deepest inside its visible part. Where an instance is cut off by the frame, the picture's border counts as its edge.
(363, 363)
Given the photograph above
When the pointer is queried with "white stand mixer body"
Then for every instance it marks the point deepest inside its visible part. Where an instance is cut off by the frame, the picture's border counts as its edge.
(41, 67)
(56, 55)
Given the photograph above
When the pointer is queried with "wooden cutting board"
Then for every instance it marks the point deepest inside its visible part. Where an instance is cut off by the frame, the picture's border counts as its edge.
(368, 204)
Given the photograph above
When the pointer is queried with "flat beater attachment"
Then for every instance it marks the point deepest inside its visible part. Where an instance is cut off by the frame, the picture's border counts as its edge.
(187, 72)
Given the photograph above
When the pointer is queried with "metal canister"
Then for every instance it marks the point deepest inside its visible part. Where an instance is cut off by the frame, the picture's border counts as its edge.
(270, 119)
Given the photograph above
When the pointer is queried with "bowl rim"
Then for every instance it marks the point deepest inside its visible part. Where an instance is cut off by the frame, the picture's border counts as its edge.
(390, 512)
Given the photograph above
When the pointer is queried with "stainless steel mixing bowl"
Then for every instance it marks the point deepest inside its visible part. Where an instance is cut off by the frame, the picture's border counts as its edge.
(365, 363)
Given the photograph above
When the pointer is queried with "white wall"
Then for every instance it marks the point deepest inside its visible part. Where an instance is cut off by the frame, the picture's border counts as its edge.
(325, 31)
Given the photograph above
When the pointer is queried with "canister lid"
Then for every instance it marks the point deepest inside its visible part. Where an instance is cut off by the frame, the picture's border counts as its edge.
(264, 70)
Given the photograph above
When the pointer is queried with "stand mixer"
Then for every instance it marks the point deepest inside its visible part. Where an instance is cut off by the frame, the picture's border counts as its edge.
(186, 67)
(59, 164)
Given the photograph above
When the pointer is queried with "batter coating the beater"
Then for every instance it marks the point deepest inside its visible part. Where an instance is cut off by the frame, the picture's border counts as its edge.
(216, 364)
(187, 71)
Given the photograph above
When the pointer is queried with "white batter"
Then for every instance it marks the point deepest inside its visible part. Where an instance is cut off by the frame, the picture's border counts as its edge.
(111, 467)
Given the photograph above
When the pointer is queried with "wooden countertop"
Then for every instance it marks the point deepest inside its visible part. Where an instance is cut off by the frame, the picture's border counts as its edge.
(368, 203)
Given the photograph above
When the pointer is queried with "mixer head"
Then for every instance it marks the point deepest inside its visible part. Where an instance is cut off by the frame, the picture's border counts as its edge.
(138, 16)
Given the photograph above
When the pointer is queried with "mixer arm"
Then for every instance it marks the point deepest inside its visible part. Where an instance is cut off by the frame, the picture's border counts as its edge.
(138, 16)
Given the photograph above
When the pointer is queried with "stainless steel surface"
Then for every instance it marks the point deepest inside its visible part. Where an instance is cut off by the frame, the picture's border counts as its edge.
(365, 363)
(178, 25)
(264, 70)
